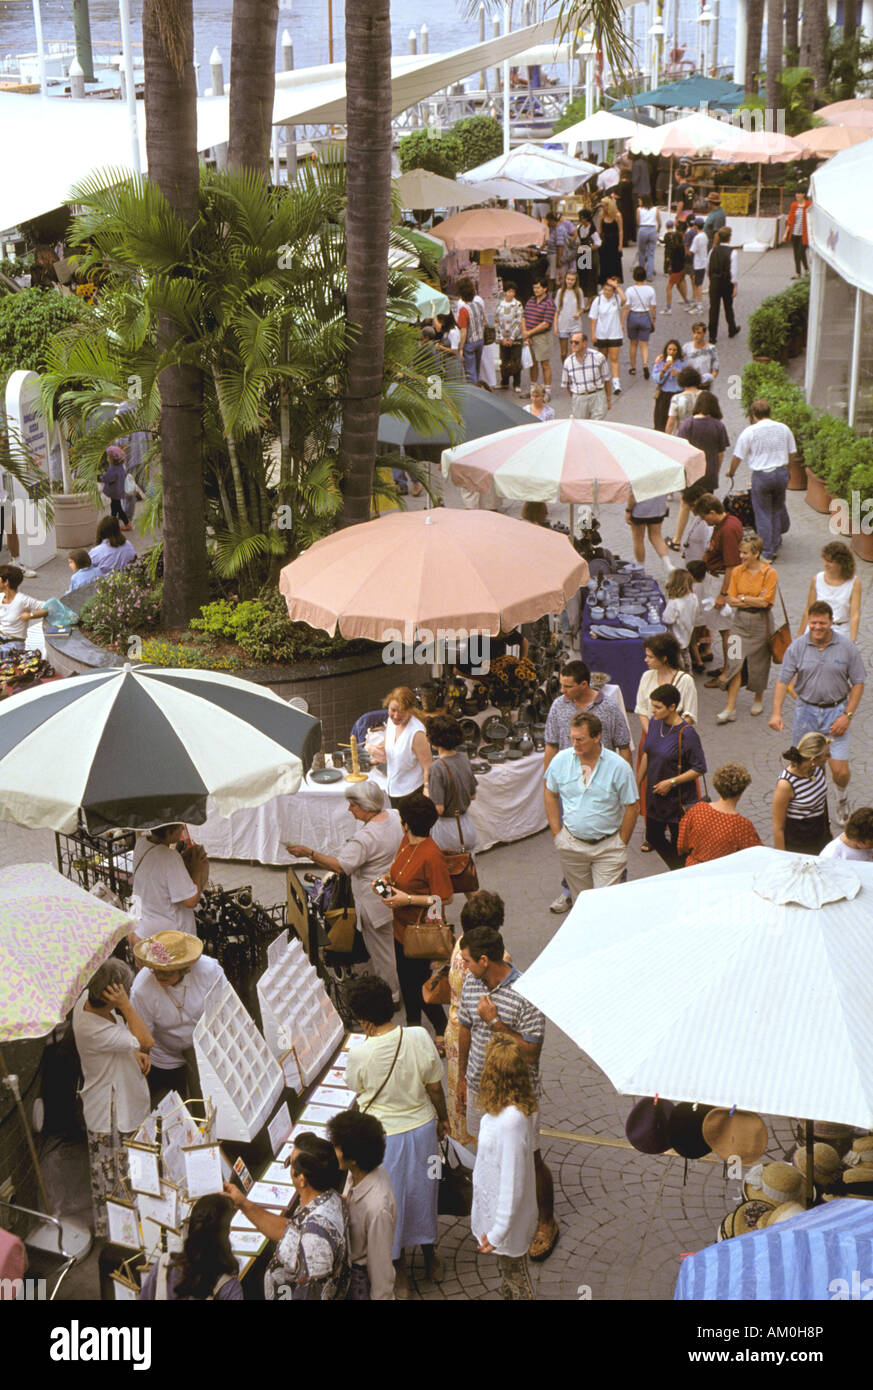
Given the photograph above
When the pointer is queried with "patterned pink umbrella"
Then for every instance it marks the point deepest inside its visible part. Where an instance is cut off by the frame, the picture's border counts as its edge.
(484, 229)
(758, 147)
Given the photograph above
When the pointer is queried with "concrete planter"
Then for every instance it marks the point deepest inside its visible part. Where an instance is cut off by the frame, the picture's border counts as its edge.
(862, 544)
(76, 519)
(817, 495)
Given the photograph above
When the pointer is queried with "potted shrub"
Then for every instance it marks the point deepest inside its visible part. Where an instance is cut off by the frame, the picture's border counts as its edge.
(768, 333)
(817, 443)
(797, 308)
(762, 380)
(794, 412)
(859, 496)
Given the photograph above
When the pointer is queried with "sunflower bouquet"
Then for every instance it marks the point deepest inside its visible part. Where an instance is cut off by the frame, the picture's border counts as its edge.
(510, 680)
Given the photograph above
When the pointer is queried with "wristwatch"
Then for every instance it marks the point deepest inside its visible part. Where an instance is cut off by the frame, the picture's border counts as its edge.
(672, 781)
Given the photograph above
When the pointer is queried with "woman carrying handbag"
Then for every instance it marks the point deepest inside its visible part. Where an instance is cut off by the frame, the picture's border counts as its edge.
(452, 787)
(751, 594)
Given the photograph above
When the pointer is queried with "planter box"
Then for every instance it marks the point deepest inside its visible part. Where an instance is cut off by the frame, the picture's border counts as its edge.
(817, 495)
(76, 519)
(796, 477)
(863, 547)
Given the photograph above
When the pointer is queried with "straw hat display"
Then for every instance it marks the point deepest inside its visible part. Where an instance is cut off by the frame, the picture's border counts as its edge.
(169, 950)
(783, 1212)
(748, 1216)
(738, 1134)
(773, 1182)
(825, 1164)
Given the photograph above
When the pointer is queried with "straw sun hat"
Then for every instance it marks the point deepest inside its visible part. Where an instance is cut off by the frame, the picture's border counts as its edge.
(825, 1163)
(773, 1182)
(740, 1134)
(169, 950)
(783, 1212)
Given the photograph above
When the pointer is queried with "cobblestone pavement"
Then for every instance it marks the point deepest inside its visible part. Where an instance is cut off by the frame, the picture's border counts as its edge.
(625, 1218)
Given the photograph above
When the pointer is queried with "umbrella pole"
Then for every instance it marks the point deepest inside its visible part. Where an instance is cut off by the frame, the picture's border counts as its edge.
(809, 1193)
(670, 189)
(12, 1084)
(571, 521)
(758, 202)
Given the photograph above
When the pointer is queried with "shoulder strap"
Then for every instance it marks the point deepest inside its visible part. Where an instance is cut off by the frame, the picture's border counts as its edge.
(375, 1097)
(455, 799)
(161, 1281)
(218, 1285)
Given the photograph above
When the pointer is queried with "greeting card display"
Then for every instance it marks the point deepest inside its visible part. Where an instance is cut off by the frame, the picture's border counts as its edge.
(238, 1072)
(301, 1026)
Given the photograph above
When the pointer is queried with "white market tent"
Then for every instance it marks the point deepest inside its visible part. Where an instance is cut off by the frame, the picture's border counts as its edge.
(594, 130)
(533, 164)
(59, 142)
(697, 132)
(839, 355)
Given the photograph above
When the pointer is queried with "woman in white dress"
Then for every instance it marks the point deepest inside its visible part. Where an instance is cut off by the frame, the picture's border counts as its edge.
(504, 1213)
(406, 754)
(838, 585)
(569, 304)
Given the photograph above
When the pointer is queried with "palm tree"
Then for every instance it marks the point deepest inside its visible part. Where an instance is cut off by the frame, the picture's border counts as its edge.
(792, 16)
(252, 84)
(774, 52)
(754, 34)
(368, 227)
(814, 40)
(171, 147)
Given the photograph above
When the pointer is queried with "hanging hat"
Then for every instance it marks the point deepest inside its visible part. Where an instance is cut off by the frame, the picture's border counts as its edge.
(860, 1152)
(647, 1127)
(783, 1212)
(860, 1179)
(740, 1135)
(169, 950)
(685, 1130)
(748, 1217)
(713, 197)
(825, 1163)
(773, 1182)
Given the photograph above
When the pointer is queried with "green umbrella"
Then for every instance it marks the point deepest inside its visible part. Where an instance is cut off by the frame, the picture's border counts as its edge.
(481, 413)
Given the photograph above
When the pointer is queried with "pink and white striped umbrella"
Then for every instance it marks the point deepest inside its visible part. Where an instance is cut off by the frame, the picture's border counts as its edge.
(576, 461)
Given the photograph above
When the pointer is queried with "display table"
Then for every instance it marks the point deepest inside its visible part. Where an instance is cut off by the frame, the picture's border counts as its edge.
(622, 658)
(508, 806)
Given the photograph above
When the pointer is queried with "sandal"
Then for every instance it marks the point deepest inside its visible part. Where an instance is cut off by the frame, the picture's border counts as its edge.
(544, 1241)
(440, 1045)
(671, 545)
(716, 682)
(631, 371)
(645, 847)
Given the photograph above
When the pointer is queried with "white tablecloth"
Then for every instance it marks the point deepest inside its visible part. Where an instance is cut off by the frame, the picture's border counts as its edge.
(508, 806)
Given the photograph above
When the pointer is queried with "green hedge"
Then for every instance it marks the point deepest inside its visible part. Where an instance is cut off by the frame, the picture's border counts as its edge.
(830, 447)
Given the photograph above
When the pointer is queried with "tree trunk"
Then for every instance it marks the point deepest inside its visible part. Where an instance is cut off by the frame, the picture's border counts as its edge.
(754, 31)
(252, 84)
(368, 222)
(171, 150)
(850, 20)
(818, 58)
(774, 60)
(792, 14)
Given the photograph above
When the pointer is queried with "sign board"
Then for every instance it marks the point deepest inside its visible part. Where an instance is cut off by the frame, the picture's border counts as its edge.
(29, 439)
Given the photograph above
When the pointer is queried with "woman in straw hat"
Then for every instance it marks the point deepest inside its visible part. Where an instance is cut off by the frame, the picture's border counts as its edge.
(169, 996)
(800, 808)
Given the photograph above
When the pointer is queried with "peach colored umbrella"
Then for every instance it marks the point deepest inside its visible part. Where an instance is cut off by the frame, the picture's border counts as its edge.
(758, 147)
(856, 111)
(443, 569)
(484, 229)
(826, 140)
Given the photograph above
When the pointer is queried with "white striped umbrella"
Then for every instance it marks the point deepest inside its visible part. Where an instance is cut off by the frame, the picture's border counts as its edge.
(140, 746)
(746, 981)
(575, 461)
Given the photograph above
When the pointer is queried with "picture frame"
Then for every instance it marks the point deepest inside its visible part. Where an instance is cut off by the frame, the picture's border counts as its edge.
(144, 1167)
(203, 1174)
(123, 1222)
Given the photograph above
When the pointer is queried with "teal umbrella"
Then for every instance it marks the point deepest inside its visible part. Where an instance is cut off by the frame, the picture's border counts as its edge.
(429, 300)
(688, 91)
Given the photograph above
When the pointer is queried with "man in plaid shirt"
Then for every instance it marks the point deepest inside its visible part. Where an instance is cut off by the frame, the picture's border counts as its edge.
(586, 377)
(489, 1005)
(508, 317)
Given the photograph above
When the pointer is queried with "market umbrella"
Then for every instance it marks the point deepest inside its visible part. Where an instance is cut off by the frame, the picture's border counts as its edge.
(535, 165)
(826, 140)
(746, 981)
(442, 569)
(596, 129)
(511, 189)
(53, 936)
(139, 746)
(486, 229)
(482, 413)
(419, 188)
(693, 91)
(798, 1259)
(855, 111)
(428, 300)
(574, 461)
(758, 147)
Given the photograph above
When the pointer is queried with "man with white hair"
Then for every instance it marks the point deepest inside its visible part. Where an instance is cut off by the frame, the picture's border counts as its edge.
(368, 854)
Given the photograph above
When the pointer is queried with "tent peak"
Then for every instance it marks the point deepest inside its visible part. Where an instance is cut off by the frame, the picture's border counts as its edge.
(804, 882)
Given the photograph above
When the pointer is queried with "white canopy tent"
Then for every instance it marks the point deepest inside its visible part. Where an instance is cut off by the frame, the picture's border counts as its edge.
(594, 130)
(839, 355)
(533, 164)
(59, 142)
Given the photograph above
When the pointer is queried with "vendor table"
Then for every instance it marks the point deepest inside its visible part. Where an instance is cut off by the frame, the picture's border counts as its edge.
(623, 658)
(508, 806)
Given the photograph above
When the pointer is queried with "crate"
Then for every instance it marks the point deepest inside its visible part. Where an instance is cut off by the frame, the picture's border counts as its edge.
(89, 859)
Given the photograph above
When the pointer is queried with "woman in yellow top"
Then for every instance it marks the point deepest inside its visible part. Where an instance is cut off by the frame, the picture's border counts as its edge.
(751, 594)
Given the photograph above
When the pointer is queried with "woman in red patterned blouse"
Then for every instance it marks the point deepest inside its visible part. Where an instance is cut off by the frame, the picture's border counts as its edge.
(712, 830)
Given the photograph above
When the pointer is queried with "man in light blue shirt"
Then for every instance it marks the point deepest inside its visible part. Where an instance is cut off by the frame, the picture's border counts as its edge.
(595, 792)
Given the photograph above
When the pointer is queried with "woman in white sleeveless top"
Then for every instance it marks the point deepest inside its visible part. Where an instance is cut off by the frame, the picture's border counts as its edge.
(838, 585)
(407, 752)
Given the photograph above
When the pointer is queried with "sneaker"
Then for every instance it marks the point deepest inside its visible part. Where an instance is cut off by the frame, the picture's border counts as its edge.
(757, 708)
(548, 393)
(28, 574)
(666, 311)
(561, 904)
(616, 385)
(727, 716)
(518, 390)
(844, 810)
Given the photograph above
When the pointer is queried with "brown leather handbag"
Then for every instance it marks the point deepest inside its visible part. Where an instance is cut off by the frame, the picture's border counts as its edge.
(460, 864)
(778, 639)
(428, 940)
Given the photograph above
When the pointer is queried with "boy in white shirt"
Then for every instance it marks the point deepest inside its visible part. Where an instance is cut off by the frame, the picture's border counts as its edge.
(856, 841)
(699, 252)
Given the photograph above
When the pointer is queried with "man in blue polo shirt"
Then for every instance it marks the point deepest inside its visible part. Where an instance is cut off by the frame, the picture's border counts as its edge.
(595, 792)
(828, 676)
